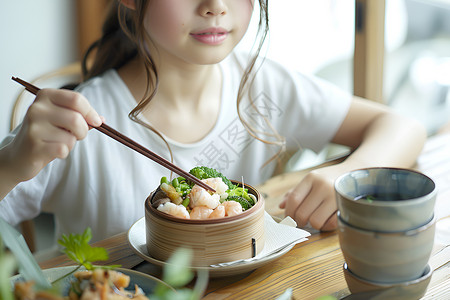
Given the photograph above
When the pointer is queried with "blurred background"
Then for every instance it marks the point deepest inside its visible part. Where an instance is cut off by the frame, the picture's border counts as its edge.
(316, 37)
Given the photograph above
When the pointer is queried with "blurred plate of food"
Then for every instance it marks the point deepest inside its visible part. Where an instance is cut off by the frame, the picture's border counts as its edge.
(123, 283)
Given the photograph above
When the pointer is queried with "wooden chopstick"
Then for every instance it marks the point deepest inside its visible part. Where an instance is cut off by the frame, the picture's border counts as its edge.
(112, 133)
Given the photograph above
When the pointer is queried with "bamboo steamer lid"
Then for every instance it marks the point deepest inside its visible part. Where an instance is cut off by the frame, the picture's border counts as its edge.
(213, 241)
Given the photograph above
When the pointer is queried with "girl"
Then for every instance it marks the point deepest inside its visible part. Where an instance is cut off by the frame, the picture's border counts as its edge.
(171, 65)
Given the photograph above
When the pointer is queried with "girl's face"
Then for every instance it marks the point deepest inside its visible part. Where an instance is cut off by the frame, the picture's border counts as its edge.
(197, 31)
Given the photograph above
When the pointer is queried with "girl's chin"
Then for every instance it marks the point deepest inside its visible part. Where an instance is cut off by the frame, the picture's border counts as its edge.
(199, 55)
(212, 56)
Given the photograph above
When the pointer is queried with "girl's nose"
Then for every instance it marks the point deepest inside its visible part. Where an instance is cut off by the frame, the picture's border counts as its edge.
(213, 8)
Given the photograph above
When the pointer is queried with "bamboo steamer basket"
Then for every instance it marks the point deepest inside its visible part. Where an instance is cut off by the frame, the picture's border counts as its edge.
(213, 241)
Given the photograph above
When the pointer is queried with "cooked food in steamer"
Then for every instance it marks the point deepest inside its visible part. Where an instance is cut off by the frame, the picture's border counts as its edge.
(186, 200)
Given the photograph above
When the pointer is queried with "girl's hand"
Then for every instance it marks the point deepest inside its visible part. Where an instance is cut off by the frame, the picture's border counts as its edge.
(51, 126)
(313, 200)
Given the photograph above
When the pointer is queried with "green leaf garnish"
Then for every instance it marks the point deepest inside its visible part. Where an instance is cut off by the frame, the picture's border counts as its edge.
(77, 248)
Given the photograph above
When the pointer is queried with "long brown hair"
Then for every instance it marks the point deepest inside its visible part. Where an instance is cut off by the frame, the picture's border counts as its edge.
(124, 36)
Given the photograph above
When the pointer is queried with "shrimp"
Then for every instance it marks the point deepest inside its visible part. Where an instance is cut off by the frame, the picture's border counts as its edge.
(200, 212)
(218, 212)
(232, 208)
(200, 197)
(174, 210)
(217, 184)
(172, 193)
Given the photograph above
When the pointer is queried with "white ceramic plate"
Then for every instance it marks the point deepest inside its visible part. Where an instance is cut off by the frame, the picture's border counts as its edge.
(146, 282)
(137, 241)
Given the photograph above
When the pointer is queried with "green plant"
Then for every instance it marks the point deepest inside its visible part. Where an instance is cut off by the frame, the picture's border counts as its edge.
(7, 266)
(176, 273)
(77, 248)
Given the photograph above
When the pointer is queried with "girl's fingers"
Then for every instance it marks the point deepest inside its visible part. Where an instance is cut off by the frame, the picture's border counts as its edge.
(52, 125)
(322, 217)
(70, 121)
(55, 135)
(312, 201)
(56, 150)
(102, 121)
(331, 223)
(50, 141)
(308, 206)
(294, 199)
(93, 119)
(42, 118)
(74, 102)
(64, 109)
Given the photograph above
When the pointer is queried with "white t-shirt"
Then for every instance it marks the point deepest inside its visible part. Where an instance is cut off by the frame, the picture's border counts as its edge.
(103, 184)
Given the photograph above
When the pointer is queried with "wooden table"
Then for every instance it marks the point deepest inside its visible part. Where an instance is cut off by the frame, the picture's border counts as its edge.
(312, 268)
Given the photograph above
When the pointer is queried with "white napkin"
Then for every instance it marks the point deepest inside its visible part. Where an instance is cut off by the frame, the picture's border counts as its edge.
(279, 236)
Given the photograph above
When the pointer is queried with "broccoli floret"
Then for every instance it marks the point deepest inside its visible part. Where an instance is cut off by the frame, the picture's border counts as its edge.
(244, 203)
(241, 192)
(202, 172)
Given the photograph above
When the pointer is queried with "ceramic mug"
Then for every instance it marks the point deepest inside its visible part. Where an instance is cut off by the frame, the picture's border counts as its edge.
(385, 199)
(386, 257)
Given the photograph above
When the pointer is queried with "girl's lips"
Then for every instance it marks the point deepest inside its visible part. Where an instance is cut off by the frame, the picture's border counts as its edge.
(211, 36)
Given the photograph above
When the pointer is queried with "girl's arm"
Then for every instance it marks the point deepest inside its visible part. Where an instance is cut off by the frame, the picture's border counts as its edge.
(51, 126)
(379, 137)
